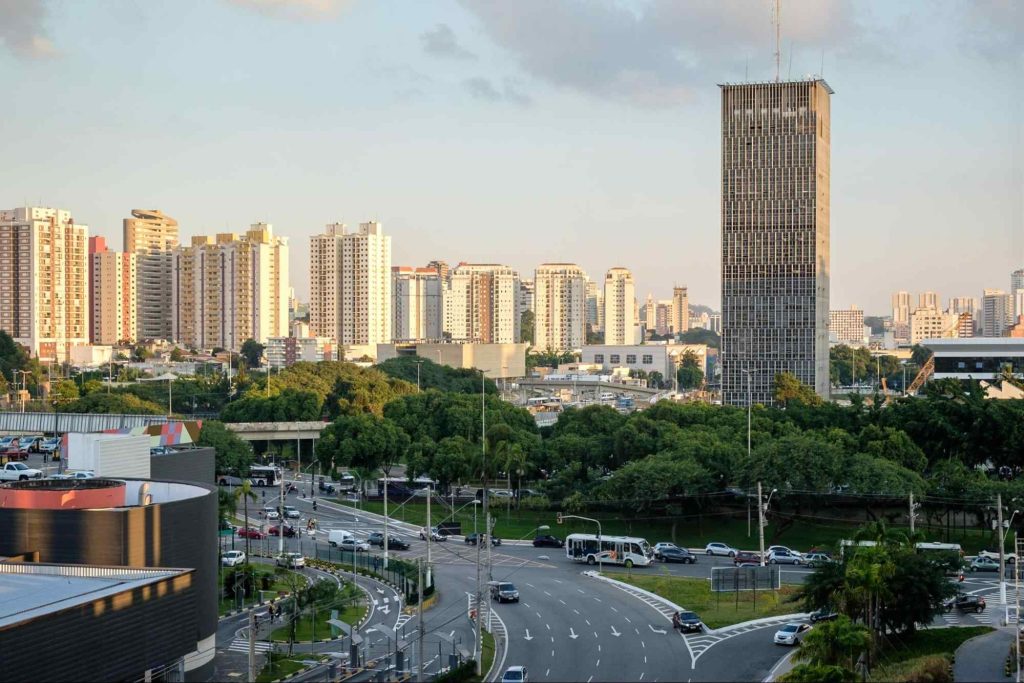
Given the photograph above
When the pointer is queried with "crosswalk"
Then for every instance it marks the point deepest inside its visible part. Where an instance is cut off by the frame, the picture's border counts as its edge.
(990, 616)
(701, 642)
(242, 645)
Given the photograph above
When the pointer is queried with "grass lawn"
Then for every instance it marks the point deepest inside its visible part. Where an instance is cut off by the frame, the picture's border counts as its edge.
(279, 666)
(690, 531)
(304, 631)
(487, 654)
(715, 609)
(227, 603)
(903, 655)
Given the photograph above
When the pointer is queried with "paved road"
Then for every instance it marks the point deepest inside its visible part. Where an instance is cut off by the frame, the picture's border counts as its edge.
(983, 658)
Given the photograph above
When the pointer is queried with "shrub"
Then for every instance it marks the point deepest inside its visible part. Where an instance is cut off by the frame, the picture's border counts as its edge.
(535, 503)
(934, 669)
(819, 673)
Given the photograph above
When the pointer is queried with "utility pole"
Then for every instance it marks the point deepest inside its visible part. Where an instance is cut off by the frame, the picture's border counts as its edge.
(252, 645)
(387, 484)
(912, 514)
(760, 521)
(1002, 553)
(430, 522)
(280, 517)
(1016, 582)
(419, 589)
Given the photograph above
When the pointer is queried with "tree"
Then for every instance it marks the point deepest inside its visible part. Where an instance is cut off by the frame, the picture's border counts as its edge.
(362, 440)
(245, 492)
(698, 335)
(252, 351)
(13, 356)
(788, 388)
(526, 327)
(834, 643)
(689, 374)
(114, 403)
(232, 453)
(64, 393)
(177, 355)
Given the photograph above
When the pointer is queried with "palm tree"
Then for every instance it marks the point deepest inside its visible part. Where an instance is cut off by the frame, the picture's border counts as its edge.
(511, 457)
(245, 492)
(835, 643)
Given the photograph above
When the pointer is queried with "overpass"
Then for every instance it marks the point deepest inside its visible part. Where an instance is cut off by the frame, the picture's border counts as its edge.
(276, 431)
(42, 423)
(547, 387)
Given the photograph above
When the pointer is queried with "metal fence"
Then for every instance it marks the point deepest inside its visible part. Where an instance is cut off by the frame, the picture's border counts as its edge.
(736, 579)
(401, 573)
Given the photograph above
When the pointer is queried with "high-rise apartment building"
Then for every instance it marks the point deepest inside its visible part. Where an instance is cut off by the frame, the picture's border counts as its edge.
(901, 310)
(619, 299)
(560, 307)
(929, 300)
(350, 284)
(595, 307)
(680, 317)
(1017, 291)
(44, 280)
(963, 304)
(775, 237)
(996, 313)
(442, 269)
(846, 326)
(525, 296)
(230, 288)
(152, 236)
(481, 304)
(416, 303)
(112, 294)
(649, 314)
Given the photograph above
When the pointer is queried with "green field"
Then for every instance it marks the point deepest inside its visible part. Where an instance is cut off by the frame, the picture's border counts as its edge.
(351, 613)
(690, 531)
(716, 609)
(905, 654)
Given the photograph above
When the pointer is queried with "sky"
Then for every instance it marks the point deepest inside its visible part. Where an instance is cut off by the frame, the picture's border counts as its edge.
(522, 132)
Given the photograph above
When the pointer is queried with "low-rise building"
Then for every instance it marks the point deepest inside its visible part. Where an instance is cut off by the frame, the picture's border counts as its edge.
(498, 361)
(976, 358)
(284, 351)
(661, 358)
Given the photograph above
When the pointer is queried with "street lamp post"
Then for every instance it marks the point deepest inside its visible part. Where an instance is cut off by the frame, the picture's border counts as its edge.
(418, 364)
(561, 517)
(762, 510)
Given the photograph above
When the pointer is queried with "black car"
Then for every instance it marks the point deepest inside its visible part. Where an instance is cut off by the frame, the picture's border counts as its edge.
(687, 622)
(965, 603)
(471, 539)
(548, 541)
(394, 543)
(677, 555)
(823, 614)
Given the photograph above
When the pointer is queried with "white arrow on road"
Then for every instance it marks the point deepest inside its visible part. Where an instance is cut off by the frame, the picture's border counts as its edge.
(385, 609)
(573, 634)
(527, 636)
(657, 630)
(615, 633)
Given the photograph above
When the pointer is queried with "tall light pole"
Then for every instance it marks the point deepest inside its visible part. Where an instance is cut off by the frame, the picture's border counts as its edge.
(418, 364)
(762, 510)
(483, 469)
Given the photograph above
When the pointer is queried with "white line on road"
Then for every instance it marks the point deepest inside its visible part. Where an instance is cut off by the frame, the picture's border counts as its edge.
(613, 609)
(580, 591)
(641, 675)
(531, 585)
(599, 647)
(559, 599)
(552, 639)
(629, 620)
(576, 611)
(547, 673)
(548, 594)
(588, 621)
(538, 615)
(598, 664)
(552, 653)
(645, 659)
(643, 645)
(549, 626)
(590, 679)
(637, 630)
(598, 599)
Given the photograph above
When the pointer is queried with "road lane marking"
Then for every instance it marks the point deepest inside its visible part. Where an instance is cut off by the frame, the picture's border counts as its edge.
(598, 665)
(613, 609)
(561, 601)
(660, 631)
(572, 634)
(548, 594)
(643, 645)
(599, 647)
(528, 637)
(588, 621)
(538, 615)
(615, 633)
(641, 675)
(629, 620)
(576, 610)
(547, 673)
(549, 626)
(580, 591)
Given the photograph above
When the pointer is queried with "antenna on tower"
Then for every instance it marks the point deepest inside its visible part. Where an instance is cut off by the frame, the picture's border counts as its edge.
(821, 72)
(777, 20)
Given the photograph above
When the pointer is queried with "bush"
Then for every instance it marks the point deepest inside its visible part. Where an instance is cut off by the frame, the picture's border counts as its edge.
(463, 672)
(535, 503)
(934, 669)
(819, 673)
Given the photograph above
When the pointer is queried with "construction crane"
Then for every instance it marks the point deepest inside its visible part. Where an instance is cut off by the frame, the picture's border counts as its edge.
(928, 369)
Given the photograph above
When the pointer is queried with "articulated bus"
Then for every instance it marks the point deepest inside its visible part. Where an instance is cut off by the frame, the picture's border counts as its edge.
(624, 550)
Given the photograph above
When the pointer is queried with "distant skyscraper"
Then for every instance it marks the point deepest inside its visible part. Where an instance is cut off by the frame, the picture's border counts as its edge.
(595, 306)
(559, 301)
(963, 304)
(996, 313)
(619, 299)
(112, 294)
(442, 269)
(775, 237)
(416, 303)
(1017, 291)
(650, 313)
(230, 288)
(901, 310)
(846, 326)
(929, 300)
(481, 304)
(680, 319)
(44, 280)
(350, 284)
(525, 296)
(931, 323)
(152, 236)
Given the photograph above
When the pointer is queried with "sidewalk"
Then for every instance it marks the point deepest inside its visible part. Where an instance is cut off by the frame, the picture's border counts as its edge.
(984, 658)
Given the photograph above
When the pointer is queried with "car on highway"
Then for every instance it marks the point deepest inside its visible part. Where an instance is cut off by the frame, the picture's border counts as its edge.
(681, 555)
(291, 513)
(818, 559)
(994, 555)
(354, 544)
(687, 622)
(249, 532)
(659, 546)
(291, 560)
(436, 534)
(503, 591)
(271, 513)
(747, 557)
(965, 603)
(233, 558)
(782, 548)
(289, 530)
(781, 556)
(548, 541)
(984, 564)
(791, 634)
(823, 614)
(471, 538)
(394, 542)
(720, 549)
(514, 674)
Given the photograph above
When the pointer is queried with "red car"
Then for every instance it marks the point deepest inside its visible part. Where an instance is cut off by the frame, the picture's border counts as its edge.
(289, 531)
(249, 532)
(746, 556)
(16, 451)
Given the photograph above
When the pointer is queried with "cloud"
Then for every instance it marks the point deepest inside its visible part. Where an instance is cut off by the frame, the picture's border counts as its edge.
(660, 53)
(483, 89)
(441, 42)
(300, 9)
(22, 31)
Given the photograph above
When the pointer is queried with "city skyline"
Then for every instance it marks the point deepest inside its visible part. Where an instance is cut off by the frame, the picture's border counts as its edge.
(528, 145)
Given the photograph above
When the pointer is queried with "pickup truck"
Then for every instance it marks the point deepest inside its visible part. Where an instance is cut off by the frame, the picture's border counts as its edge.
(15, 471)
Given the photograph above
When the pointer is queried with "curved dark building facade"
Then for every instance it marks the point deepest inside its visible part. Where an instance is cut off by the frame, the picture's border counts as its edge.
(162, 524)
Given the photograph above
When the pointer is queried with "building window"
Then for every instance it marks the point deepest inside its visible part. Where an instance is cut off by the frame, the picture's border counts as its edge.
(648, 359)
(598, 357)
(631, 359)
(615, 358)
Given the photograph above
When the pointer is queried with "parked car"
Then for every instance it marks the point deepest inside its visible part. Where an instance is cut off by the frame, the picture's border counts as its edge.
(249, 532)
(984, 564)
(548, 541)
(436, 534)
(1010, 558)
(291, 513)
(354, 545)
(823, 614)
(791, 634)
(781, 556)
(17, 471)
(31, 443)
(51, 446)
(747, 557)
(659, 546)
(818, 559)
(233, 558)
(514, 674)
(77, 474)
(782, 548)
(681, 555)
(965, 603)
(291, 560)
(15, 451)
(289, 531)
(687, 622)
(471, 538)
(503, 591)
(6, 441)
(720, 549)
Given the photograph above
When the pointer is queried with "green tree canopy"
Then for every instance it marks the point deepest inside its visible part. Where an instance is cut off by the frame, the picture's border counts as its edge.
(361, 440)
(252, 352)
(790, 389)
(233, 454)
(114, 403)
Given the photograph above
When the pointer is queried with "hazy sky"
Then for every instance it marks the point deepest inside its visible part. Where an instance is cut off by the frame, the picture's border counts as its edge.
(521, 131)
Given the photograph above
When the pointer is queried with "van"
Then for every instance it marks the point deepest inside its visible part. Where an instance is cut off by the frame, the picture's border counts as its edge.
(336, 536)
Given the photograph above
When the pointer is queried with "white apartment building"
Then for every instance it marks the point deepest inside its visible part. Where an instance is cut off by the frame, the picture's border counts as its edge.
(931, 323)
(619, 302)
(679, 321)
(282, 352)
(350, 284)
(152, 236)
(525, 297)
(417, 304)
(996, 313)
(112, 294)
(928, 300)
(230, 288)
(44, 280)
(1017, 291)
(481, 304)
(846, 326)
(901, 310)
(595, 306)
(560, 301)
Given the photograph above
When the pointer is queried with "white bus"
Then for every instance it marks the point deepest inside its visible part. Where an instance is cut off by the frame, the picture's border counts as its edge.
(624, 550)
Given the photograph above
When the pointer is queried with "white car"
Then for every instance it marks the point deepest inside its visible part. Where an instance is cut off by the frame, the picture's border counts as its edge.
(354, 544)
(720, 549)
(291, 560)
(773, 548)
(1011, 558)
(271, 513)
(514, 674)
(791, 634)
(233, 558)
(79, 474)
(436, 535)
(291, 513)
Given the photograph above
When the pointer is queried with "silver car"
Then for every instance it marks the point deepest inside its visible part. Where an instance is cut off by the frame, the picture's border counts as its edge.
(784, 557)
